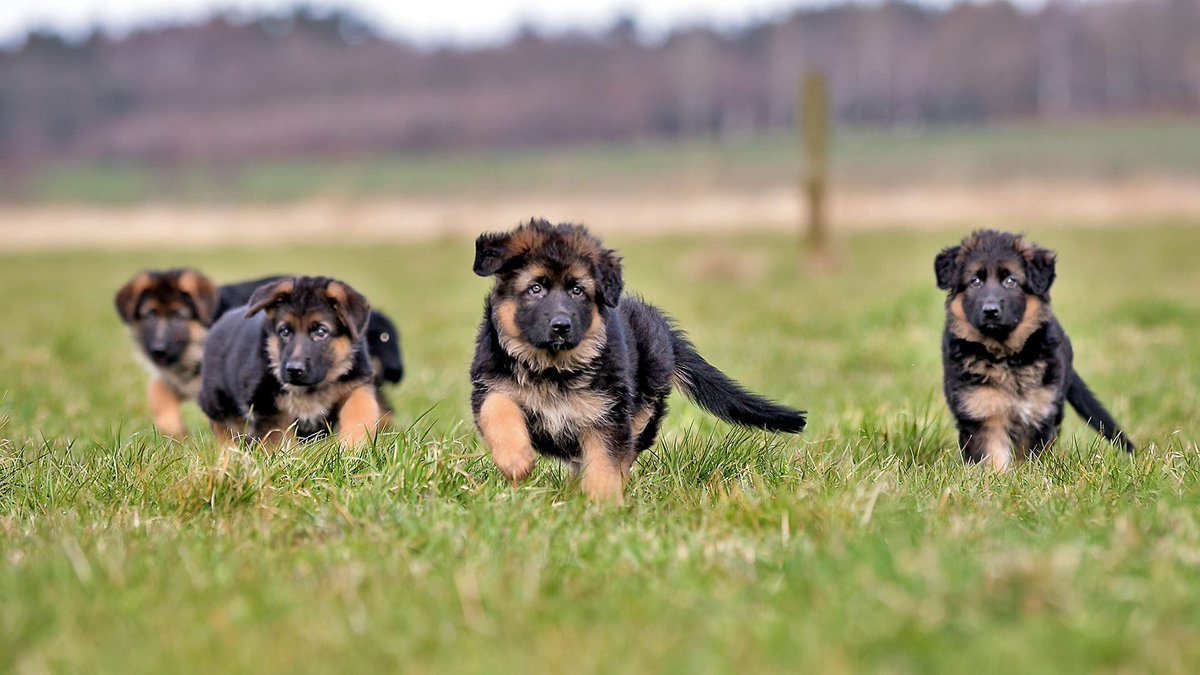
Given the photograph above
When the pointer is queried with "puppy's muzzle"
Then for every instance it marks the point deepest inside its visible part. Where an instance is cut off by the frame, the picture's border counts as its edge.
(295, 372)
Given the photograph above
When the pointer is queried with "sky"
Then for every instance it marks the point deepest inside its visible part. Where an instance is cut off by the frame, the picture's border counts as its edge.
(422, 21)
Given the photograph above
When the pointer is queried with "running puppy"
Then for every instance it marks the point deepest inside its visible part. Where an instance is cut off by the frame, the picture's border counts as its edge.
(294, 360)
(568, 367)
(1006, 360)
(168, 314)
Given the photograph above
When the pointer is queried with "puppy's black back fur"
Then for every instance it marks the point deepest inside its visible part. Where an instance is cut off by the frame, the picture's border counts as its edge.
(236, 374)
(238, 293)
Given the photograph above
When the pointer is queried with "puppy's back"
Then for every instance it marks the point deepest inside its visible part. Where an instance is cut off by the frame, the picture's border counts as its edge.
(237, 294)
(235, 366)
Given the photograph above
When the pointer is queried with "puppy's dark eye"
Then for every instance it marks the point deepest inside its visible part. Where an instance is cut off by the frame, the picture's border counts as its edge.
(1010, 282)
(284, 332)
(179, 314)
(577, 290)
(320, 332)
(536, 289)
(976, 282)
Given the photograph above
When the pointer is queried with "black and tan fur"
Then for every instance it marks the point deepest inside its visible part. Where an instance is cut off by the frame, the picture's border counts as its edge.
(1007, 363)
(168, 314)
(294, 361)
(567, 366)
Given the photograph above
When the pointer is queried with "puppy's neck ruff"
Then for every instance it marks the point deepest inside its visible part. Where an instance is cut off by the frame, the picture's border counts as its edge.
(308, 404)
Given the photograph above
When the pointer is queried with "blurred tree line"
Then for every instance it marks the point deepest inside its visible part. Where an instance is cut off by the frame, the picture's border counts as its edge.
(309, 83)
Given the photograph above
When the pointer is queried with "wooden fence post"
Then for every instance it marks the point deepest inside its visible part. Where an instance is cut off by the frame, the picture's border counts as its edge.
(814, 116)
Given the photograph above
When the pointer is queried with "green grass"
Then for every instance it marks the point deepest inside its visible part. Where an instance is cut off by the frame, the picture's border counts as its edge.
(1081, 150)
(863, 545)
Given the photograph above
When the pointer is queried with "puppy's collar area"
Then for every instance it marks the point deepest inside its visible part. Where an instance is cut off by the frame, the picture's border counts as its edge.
(545, 363)
(569, 379)
(311, 389)
(565, 371)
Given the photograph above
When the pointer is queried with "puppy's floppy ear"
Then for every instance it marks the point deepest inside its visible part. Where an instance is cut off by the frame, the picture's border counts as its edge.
(609, 281)
(129, 295)
(945, 266)
(351, 307)
(269, 294)
(203, 293)
(1040, 271)
(492, 252)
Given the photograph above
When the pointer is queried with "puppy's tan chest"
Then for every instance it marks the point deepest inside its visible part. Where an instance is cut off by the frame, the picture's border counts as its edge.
(307, 408)
(556, 410)
(1008, 394)
(185, 382)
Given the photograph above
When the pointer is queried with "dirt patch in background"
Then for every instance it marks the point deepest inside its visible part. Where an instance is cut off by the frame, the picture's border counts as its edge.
(1013, 205)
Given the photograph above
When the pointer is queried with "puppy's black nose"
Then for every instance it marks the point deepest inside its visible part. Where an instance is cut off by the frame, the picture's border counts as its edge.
(560, 324)
(991, 310)
(295, 370)
(158, 351)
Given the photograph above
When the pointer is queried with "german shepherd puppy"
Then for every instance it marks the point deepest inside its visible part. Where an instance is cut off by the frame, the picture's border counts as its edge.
(567, 366)
(1006, 361)
(294, 359)
(169, 312)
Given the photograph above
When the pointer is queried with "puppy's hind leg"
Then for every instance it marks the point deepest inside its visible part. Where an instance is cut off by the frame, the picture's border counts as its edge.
(604, 470)
(1042, 438)
(502, 423)
(646, 422)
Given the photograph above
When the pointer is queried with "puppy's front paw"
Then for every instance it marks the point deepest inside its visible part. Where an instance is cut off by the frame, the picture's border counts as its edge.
(514, 461)
(502, 423)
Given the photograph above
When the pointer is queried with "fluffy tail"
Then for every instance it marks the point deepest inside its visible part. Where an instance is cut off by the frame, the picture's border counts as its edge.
(712, 390)
(1094, 413)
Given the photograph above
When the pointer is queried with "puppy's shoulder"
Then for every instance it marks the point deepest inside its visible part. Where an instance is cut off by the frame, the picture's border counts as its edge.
(235, 345)
(490, 358)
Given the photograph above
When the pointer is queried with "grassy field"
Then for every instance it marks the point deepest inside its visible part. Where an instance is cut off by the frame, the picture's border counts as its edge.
(863, 545)
(1098, 151)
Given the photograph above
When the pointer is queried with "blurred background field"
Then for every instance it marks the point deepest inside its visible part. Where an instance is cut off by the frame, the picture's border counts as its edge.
(1012, 175)
(1104, 152)
(199, 126)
